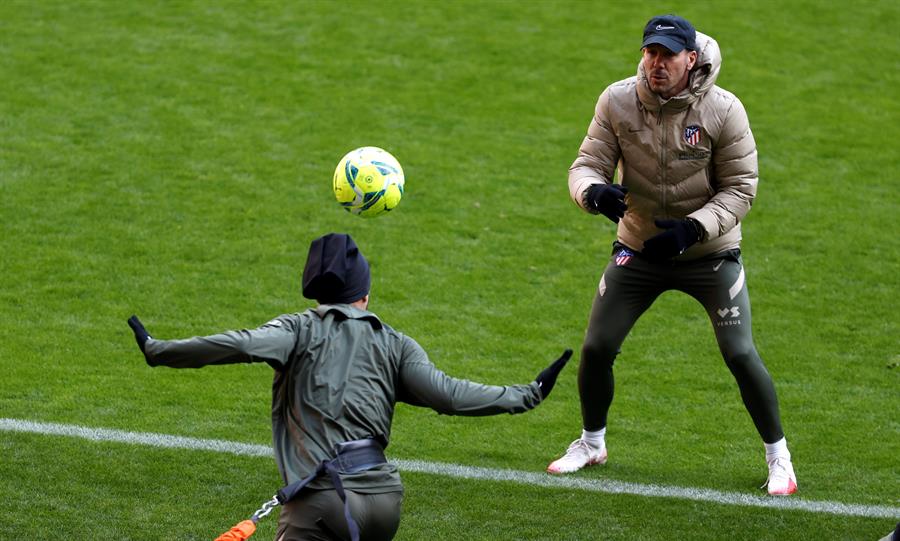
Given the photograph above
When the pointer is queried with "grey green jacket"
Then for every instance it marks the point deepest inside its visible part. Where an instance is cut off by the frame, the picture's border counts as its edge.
(692, 155)
(339, 371)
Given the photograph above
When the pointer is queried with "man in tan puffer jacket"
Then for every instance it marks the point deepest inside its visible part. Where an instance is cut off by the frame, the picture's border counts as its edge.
(670, 157)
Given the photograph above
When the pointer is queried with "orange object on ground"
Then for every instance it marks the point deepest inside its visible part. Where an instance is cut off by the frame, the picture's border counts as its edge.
(240, 531)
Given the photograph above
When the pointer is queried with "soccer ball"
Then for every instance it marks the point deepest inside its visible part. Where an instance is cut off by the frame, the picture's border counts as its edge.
(368, 182)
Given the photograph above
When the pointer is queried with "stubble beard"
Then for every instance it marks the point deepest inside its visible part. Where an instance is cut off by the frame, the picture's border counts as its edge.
(660, 86)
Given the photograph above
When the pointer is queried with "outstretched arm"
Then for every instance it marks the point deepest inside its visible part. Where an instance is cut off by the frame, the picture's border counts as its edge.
(272, 343)
(423, 384)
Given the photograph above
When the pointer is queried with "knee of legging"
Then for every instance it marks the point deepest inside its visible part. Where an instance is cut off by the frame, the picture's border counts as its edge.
(598, 352)
(742, 361)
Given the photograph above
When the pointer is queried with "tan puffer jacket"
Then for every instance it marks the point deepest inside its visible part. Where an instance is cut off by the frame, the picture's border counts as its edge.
(710, 176)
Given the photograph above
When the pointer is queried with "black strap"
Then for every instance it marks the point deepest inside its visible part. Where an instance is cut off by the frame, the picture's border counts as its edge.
(351, 457)
(288, 493)
(357, 456)
(339, 486)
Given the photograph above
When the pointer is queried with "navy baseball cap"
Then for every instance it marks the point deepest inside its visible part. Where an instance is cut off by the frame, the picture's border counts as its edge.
(672, 32)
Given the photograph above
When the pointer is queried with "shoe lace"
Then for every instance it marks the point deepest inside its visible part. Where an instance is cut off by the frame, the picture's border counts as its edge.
(777, 470)
(578, 445)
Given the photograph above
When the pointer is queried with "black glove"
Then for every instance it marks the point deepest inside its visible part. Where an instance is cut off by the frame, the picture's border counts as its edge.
(547, 378)
(140, 333)
(679, 235)
(607, 199)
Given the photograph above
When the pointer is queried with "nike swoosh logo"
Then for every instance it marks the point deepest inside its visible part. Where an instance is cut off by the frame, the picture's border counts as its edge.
(719, 264)
(661, 27)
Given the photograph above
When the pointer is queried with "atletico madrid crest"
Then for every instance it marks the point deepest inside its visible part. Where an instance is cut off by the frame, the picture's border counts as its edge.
(692, 135)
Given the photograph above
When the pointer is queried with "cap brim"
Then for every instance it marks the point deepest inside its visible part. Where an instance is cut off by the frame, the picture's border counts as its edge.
(671, 44)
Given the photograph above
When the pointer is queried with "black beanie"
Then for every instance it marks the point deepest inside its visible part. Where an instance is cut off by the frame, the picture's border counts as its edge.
(336, 272)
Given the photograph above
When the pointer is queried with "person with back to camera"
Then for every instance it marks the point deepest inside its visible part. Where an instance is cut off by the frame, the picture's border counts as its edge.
(686, 174)
(339, 370)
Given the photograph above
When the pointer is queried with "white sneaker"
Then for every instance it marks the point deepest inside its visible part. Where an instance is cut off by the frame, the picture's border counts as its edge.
(578, 455)
(782, 481)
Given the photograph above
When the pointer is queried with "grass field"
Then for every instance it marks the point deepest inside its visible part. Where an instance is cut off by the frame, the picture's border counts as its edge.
(174, 159)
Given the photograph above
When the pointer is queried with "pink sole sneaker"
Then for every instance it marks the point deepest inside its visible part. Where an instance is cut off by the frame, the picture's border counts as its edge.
(782, 481)
(787, 491)
(579, 455)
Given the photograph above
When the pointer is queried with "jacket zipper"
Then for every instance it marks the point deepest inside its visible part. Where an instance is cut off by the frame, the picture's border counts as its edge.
(662, 162)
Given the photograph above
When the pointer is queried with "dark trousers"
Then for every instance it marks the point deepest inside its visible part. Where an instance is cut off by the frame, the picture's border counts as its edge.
(629, 286)
(318, 515)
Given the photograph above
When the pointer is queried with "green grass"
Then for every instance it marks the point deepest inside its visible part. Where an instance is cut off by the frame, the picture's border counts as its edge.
(173, 159)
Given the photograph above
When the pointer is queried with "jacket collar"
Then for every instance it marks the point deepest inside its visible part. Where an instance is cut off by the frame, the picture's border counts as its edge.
(701, 79)
(347, 311)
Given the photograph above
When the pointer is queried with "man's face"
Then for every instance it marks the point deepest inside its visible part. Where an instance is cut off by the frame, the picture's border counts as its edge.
(667, 72)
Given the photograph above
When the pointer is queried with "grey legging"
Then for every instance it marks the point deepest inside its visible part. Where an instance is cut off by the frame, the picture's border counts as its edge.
(629, 286)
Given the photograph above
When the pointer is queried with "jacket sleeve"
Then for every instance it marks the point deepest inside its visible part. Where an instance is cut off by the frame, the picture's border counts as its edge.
(598, 156)
(271, 343)
(736, 175)
(422, 384)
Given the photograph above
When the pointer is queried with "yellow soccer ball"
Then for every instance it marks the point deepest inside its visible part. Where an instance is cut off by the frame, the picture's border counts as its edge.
(368, 182)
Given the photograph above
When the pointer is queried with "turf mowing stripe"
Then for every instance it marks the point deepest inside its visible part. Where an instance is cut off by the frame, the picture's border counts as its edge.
(468, 472)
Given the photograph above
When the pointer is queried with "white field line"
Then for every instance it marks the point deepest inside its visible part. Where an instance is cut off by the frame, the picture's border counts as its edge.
(469, 472)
